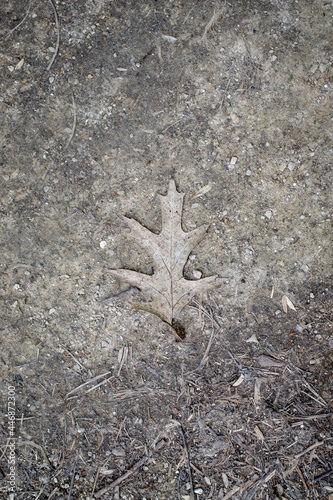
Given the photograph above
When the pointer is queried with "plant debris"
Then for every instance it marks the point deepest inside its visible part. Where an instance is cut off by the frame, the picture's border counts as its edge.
(169, 291)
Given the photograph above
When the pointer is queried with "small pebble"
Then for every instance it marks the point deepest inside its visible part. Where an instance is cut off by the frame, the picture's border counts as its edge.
(102, 244)
(118, 452)
(234, 118)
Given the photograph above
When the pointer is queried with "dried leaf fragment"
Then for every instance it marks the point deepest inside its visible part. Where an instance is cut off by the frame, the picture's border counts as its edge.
(259, 434)
(202, 191)
(239, 381)
(167, 288)
(286, 302)
(268, 362)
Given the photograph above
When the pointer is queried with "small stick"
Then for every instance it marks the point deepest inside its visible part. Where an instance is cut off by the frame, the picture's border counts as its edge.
(19, 24)
(74, 123)
(95, 482)
(172, 124)
(178, 484)
(75, 359)
(98, 385)
(322, 476)
(35, 445)
(152, 371)
(53, 493)
(72, 482)
(120, 428)
(311, 417)
(231, 493)
(318, 398)
(209, 345)
(218, 11)
(302, 478)
(58, 35)
(188, 460)
(310, 448)
(129, 473)
(225, 93)
(86, 383)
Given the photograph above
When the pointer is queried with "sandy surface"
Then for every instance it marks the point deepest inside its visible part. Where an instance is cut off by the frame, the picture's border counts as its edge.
(234, 101)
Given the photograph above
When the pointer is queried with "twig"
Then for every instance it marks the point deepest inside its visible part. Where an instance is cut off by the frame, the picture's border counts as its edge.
(53, 493)
(95, 482)
(209, 345)
(74, 123)
(35, 445)
(210, 316)
(172, 124)
(120, 428)
(86, 383)
(260, 482)
(5, 447)
(231, 493)
(187, 15)
(178, 484)
(75, 359)
(72, 482)
(310, 448)
(218, 11)
(152, 371)
(58, 35)
(206, 313)
(225, 93)
(317, 398)
(129, 473)
(39, 494)
(98, 385)
(310, 417)
(187, 460)
(302, 478)
(322, 476)
(19, 24)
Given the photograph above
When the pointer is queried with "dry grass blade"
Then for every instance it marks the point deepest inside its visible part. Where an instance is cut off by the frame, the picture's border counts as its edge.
(86, 383)
(58, 35)
(187, 460)
(74, 122)
(37, 446)
(218, 11)
(310, 448)
(129, 473)
(20, 23)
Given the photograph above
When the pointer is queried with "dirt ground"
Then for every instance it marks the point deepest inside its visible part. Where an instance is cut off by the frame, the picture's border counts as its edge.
(102, 103)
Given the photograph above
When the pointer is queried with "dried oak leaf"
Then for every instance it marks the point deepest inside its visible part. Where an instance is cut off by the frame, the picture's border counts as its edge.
(167, 288)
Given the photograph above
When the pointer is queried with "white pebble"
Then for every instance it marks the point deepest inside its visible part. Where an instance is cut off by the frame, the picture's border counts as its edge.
(234, 118)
